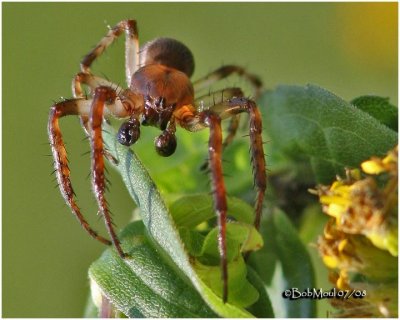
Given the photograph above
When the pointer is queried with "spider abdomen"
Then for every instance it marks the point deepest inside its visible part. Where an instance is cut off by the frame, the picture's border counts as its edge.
(168, 52)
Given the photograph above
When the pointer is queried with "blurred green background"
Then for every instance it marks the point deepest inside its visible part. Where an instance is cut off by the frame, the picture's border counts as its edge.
(347, 48)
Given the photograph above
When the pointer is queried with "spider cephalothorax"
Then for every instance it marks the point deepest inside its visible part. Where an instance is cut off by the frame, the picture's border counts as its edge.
(159, 94)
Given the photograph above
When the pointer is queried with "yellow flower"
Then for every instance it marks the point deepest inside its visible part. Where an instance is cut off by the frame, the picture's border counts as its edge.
(360, 241)
(378, 166)
(361, 206)
(336, 248)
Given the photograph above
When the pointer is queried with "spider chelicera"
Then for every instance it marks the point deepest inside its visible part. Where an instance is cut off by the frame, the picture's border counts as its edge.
(159, 94)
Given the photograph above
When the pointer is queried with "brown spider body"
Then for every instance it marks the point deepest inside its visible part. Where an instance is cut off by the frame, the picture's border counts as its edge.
(165, 90)
(159, 94)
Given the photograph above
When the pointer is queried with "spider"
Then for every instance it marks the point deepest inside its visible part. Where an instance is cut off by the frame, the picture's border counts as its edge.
(159, 94)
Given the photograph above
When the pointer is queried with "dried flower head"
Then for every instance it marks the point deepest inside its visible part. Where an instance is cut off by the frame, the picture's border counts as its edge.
(360, 241)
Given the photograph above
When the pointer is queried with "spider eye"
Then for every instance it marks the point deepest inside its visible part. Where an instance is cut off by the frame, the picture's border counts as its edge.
(165, 144)
(129, 132)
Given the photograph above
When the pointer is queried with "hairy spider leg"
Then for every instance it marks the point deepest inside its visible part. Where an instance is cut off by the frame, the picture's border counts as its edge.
(92, 82)
(89, 80)
(131, 48)
(213, 121)
(224, 72)
(237, 105)
(192, 120)
(103, 96)
(93, 109)
(215, 98)
(131, 61)
(61, 109)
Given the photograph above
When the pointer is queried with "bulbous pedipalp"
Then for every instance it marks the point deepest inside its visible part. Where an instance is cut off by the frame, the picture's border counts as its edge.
(165, 143)
(129, 132)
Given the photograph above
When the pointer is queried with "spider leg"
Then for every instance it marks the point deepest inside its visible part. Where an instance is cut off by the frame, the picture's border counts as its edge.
(91, 81)
(232, 129)
(213, 121)
(214, 98)
(131, 48)
(61, 109)
(237, 105)
(226, 71)
(190, 120)
(102, 96)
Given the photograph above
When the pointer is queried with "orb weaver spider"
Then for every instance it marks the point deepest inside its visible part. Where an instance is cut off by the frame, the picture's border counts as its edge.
(159, 94)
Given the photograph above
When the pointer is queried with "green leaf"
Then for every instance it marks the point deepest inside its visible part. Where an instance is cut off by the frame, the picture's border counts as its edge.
(158, 222)
(380, 108)
(241, 291)
(240, 236)
(310, 124)
(191, 210)
(193, 241)
(284, 263)
(145, 284)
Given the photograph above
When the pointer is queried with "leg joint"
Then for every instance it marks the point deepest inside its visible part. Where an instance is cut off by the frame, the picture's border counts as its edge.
(209, 118)
(131, 27)
(242, 102)
(106, 93)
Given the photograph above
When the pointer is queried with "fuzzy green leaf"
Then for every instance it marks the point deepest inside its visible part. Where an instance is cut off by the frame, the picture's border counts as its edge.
(379, 108)
(158, 222)
(310, 124)
(145, 283)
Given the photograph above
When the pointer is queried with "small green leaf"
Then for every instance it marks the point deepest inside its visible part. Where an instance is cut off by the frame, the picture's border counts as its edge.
(314, 125)
(241, 292)
(240, 236)
(284, 263)
(145, 284)
(191, 210)
(159, 223)
(243, 238)
(379, 108)
(193, 241)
